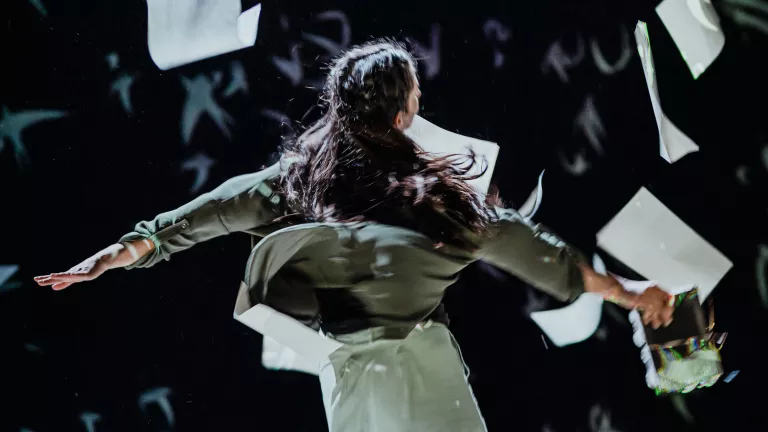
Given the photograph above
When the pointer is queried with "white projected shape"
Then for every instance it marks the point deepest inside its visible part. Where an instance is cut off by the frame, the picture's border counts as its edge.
(122, 86)
(333, 47)
(761, 267)
(740, 13)
(200, 99)
(160, 397)
(588, 120)
(764, 155)
(292, 68)
(113, 60)
(695, 29)
(673, 143)
(557, 59)
(201, 165)
(578, 167)
(39, 6)
(437, 140)
(600, 420)
(89, 419)
(238, 82)
(651, 240)
(183, 32)
(497, 31)
(429, 55)
(620, 64)
(12, 124)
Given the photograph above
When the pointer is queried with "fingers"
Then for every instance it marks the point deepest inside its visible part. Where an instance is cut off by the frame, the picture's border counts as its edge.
(647, 317)
(61, 285)
(666, 316)
(59, 278)
(657, 322)
(44, 280)
(658, 319)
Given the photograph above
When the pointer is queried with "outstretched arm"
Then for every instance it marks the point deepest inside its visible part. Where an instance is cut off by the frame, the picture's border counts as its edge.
(242, 203)
(239, 204)
(549, 264)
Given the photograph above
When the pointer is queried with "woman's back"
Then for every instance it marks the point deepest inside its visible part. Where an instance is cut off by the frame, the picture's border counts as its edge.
(356, 164)
(360, 275)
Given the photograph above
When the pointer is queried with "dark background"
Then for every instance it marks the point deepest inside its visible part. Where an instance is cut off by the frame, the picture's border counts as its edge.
(96, 348)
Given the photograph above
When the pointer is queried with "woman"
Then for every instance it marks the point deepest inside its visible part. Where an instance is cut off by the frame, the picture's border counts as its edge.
(364, 232)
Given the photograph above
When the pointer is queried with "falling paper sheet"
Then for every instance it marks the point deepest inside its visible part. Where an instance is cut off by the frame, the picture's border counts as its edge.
(275, 356)
(531, 205)
(575, 322)
(300, 347)
(288, 332)
(695, 28)
(673, 143)
(440, 141)
(648, 238)
(183, 32)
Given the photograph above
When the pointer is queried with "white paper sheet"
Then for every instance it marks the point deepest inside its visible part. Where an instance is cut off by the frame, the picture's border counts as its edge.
(289, 333)
(673, 143)
(695, 28)
(651, 240)
(183, 32)
(573, 323)
(576, 322)
(275, 356)
(531, 205)
(434, 139)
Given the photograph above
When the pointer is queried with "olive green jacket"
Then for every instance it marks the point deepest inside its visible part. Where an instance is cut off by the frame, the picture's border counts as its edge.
(398, 275)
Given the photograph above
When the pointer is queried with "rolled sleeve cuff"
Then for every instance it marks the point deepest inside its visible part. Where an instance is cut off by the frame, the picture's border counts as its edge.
(159, 239)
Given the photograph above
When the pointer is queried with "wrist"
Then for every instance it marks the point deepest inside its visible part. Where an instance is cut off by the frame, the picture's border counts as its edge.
(608, 288)
(621, 297)
(110, 256)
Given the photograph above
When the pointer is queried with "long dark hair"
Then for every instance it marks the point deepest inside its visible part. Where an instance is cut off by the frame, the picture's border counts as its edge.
(354, 165)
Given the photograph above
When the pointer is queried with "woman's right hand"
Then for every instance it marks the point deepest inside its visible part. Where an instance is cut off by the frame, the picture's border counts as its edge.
(116, 255)
(87, 270)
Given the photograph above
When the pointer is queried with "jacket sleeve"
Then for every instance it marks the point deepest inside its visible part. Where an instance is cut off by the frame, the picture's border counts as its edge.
(534, 255)
(241, 203)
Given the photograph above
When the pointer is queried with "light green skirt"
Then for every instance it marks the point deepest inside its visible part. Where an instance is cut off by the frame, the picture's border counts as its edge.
(382, 381)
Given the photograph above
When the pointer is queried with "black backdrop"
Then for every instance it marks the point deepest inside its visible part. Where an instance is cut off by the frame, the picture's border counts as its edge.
(93, 357)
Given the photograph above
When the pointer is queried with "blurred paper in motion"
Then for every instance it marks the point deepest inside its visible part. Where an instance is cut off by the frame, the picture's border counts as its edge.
(183, 32)
(695, 28)
(275, 356)
(673, 143)
(573, 323)
(437, 140)
(651, 240)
